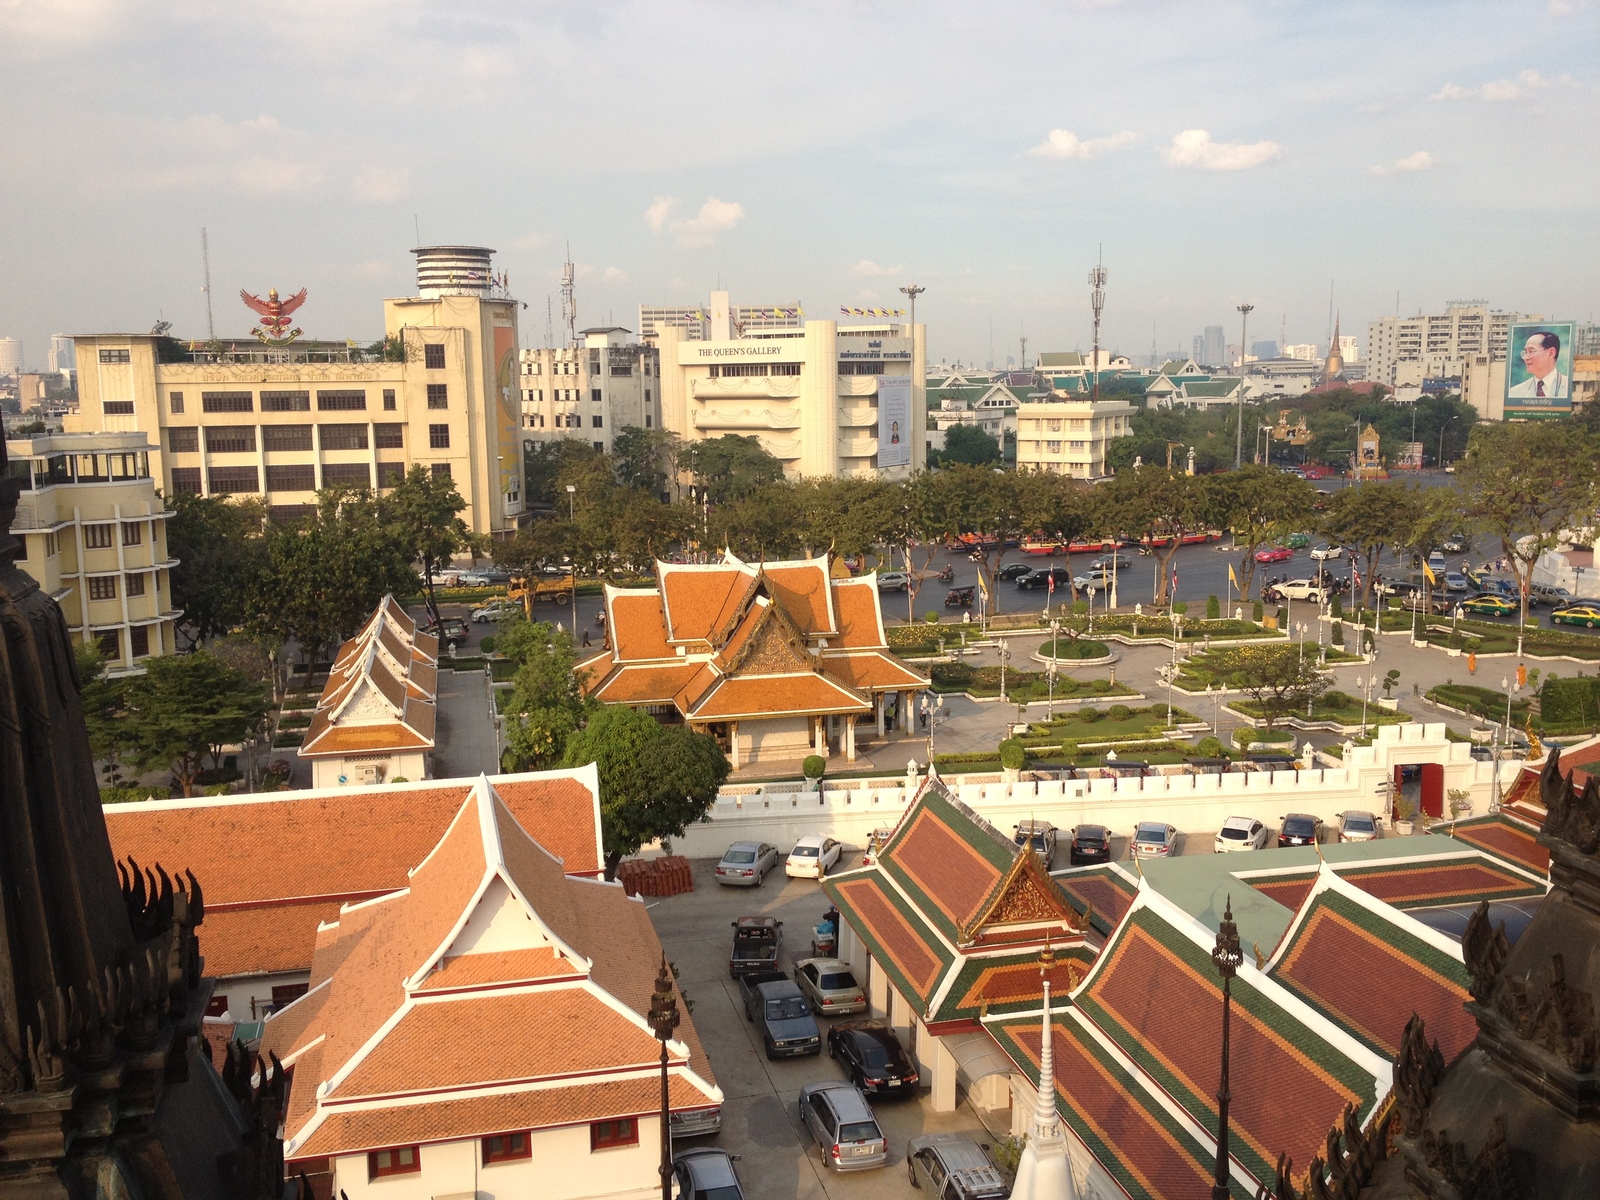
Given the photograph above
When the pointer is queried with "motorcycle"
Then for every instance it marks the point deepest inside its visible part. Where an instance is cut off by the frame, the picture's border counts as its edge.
(946, 575)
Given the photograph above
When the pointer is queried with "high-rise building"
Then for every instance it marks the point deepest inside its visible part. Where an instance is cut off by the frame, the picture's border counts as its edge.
(1350, 348)
(1265, 349)
(1304, 351)
(1410, 349)
(823, 398)
(593, 391)
(282, 419)
(10, 356)
(719, 320)
(61, 355)
(1210, 348)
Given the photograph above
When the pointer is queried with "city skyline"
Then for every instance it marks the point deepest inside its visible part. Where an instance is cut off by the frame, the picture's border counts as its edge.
(1251, 153)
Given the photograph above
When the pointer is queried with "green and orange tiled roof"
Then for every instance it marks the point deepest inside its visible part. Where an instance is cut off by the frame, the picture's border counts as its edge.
(1464, 880)
(1508, 838)
(1148, 1151)
(949, 861)
(1288, 888)
(1154, 993)
(899, 939)
(1008, 982)
(1105, 892)
(1368, 974)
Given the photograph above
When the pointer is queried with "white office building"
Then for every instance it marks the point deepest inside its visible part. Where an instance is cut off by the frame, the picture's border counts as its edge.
(1404, 350)
(590, 392)
(698, 320)
(824, 399)
(1065, 436)
(10, 356)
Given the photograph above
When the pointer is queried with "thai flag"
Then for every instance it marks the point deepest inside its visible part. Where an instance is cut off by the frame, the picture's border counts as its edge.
(1050, 585)
(1174, 581)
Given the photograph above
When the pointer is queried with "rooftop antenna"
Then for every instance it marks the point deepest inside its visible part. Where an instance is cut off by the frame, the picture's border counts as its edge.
(416, 226)
(1283, 332)
(549, 322)
(1024, 363)
(1154, 361)
(205, 260)
(1330, 309)
(569, 301)
(1097, 300)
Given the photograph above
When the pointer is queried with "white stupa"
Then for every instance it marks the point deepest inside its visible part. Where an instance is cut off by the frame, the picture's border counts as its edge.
(1043, 1172)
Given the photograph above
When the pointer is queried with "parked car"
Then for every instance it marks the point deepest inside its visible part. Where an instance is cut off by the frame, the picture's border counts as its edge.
(696, 1122)
(1490, 604)
(1273, 554)
(773, 1002)
(756, 943)
(893, 581)
(1241, 833)
(1092, 580)
(1152, 839)
(1327, 551)
(1456, 543)
(1455, 581)
(1090, 844)
(745, 864)
(495, 610)
(1120, 562)
(872, 1057)
(707, 1172)
(488, 577)
(1546, 593)
(1040, 836)
(1297, 541)
(1359, 826)
(840, 1121)
(1585, 614)
(442, 578)
(829, 986)
(451, 632)
(1299, 829)
(1040, 578)
(951, 1166)
(1301, 589)
(812, 857)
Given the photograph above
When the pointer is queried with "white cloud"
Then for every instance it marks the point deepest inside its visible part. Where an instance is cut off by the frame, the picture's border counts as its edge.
(382, 185)
(1063, 143)
(262, 173)
(1420, 161)
(869, 268)
(715, 216)
(613, 275)
(372, 268)
(531, 241)
(660, 209)
(1524, 85)
(1194, 148)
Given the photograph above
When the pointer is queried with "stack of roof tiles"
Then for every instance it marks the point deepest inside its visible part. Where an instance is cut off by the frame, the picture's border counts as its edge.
(380, 692)
(669, 875)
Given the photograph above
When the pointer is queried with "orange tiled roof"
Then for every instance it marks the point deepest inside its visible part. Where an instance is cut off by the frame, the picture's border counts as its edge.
(768, 696)
(872, 671)
(638, 624)
(380, 692)
(860, 615)
(275, 865)
(653, 684)
(513, 1022)
(804, 591)
(698, 599)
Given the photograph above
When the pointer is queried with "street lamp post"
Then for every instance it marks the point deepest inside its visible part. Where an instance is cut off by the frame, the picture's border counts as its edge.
(1227, 956)
(1215, 696)
(663, 1020)
(572, 519)
(1365, 684)
(1300, 628)
(1442, 428)
(1509, 687)
(1005, 657)
(1244, 361)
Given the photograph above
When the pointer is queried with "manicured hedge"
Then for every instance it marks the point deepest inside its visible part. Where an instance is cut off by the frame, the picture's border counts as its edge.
(1574, 701)
(1076, 648)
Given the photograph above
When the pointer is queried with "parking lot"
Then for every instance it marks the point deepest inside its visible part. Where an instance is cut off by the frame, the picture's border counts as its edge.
(759, 1120)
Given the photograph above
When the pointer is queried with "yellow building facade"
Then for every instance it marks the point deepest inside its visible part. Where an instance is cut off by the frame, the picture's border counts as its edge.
(280, 421)
(95, 537)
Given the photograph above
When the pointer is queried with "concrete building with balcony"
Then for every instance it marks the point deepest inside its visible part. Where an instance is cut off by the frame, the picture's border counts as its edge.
(95, 535)
(1403, 350)
(825, 399)
(1069, 436)
(280, 421)
(590, 392)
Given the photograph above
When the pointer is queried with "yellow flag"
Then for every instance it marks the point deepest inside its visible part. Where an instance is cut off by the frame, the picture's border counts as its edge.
(1232, 578)
(983, 585)
(1428, 571)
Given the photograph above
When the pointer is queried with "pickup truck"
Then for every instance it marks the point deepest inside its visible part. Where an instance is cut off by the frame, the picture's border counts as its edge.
(756, 942)
(775, 1004)
(1301, 589)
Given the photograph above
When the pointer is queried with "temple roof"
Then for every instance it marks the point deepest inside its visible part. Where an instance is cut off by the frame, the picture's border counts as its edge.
(380, 690)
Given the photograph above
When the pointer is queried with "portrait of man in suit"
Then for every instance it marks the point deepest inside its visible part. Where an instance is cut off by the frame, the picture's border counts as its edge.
(1541, 357)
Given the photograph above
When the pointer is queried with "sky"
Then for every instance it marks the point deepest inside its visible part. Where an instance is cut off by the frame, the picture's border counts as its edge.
(820, 152)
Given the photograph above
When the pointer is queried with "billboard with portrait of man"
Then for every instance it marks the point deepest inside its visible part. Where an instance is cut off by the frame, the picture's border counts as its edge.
(894, 420)
(1539, 369)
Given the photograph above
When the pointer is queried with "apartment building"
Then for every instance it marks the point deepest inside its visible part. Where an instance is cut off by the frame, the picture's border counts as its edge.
(94, 535)
(280, 420)
(1069, 436)
(823, 398)
(592, 391)
(1407, 350)
(698, 320)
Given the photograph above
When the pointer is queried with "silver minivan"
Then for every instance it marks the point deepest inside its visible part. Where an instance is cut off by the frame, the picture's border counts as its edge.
(841, 1123)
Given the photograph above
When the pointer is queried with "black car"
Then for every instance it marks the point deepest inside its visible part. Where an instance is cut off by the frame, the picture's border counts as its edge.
(452, 631)
(1090, 844)
(1013, 571)
(872, 1056)
(1299, 829)
(1041, 578)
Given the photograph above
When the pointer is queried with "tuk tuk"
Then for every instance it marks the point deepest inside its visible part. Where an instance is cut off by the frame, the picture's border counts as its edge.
(959, 597)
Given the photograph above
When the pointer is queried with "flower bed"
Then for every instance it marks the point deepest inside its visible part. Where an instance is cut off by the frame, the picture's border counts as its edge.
(1219, 666)
(1021, 686)
(1063, 650)
(1121, 723)
(1479, 701)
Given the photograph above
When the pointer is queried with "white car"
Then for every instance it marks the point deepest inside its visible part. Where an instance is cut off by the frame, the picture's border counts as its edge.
(812, 857)
(1152, 839)
(893, 581)
(1359, 826)
(1241, 833)
(1328, 551)
(497, 611)
(1093, 580)
(1302, 589)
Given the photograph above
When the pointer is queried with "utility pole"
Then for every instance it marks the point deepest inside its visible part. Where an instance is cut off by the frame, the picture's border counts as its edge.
(1097, 301)
(1226, 957)
(569, 300)
(205, 259)
(1244, 358)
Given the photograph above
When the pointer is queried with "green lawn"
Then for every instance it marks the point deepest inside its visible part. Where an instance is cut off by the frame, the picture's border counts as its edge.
(1064, 649)
(1140, 722)
(1021, 686)
(1480, 702)
(1219, 666)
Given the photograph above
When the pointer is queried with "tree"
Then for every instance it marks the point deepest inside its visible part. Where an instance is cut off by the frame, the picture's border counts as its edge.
(549, 466)
(101, 699)
(1278, 680)
(732, 466)
(185, 708)
(969, 445)
(424, 514)
(1368, 517)
(646, 458)
(1157, 506)
(655, 780)
(1523, 483)
(546, 705)
(220, 546)
(325, 574)
(1259, 504)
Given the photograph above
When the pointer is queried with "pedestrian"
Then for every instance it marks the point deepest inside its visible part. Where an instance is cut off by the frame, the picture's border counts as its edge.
(586, 639)
(1472, 663)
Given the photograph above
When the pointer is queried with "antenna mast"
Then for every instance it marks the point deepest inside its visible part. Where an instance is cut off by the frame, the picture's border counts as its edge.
(569, 301)
(549, 322)
(1097, 301)
(205, 259)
